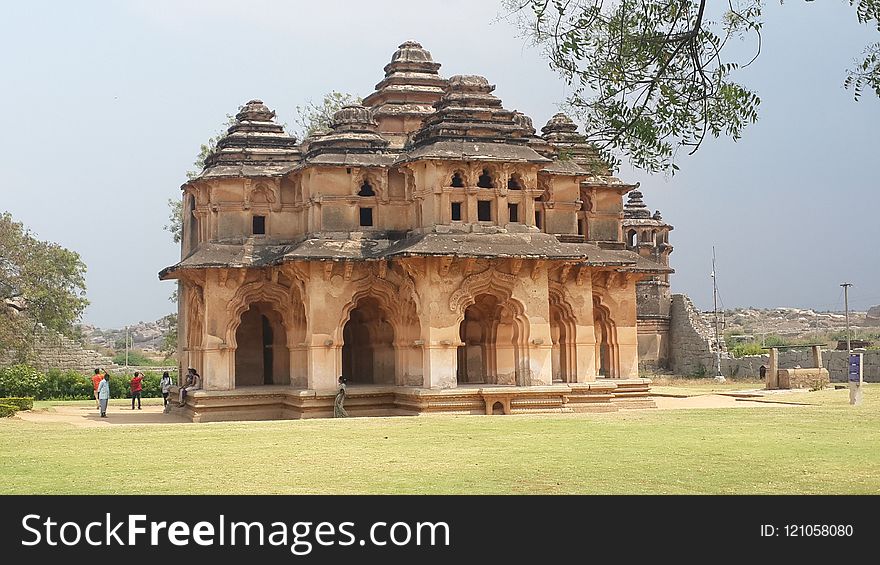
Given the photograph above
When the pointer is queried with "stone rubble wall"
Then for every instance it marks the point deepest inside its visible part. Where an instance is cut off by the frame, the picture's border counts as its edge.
(833, 360)
(55, 351)
(691, 340)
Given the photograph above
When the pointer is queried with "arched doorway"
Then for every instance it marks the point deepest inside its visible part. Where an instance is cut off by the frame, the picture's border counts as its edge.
(493, 334)
(261, 355)
(368, 354)
(563, 353)
(606, 340)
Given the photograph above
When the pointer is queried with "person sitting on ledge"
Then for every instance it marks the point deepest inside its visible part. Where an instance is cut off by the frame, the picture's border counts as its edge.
(193, 382)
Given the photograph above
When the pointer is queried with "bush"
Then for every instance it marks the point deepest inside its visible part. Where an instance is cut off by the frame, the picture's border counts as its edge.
(751, 348)
(7, 410)
(67, 385)
(22, 380)
(120, 385)
(20, 403)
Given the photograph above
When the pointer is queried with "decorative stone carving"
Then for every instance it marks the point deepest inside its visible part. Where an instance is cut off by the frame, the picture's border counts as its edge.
(502, 283)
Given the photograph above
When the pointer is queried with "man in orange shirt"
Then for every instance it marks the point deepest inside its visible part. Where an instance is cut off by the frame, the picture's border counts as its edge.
(96, 380)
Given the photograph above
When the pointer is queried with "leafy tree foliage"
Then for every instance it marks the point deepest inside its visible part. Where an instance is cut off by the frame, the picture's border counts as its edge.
(40, 283)
(314, 116)
(653, 77)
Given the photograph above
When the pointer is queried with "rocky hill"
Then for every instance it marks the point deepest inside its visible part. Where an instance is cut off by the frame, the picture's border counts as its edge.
(795, 323)
(146, 336)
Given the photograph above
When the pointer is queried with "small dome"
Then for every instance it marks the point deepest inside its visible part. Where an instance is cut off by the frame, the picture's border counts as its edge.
(559, 123)
(353, 117)
(524, 122)
(470, 83)
(255, 111)
(635, 207)
(411, 51)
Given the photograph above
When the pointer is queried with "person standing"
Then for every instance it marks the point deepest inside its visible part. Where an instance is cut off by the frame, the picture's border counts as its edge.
(339, 401)
(136, 386)
(165, 384)
(96, 380)
(104, 394)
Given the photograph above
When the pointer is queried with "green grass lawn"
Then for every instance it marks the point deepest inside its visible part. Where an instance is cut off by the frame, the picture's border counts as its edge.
(829, 447)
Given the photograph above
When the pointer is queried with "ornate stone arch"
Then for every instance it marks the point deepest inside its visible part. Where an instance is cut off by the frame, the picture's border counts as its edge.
(274, 294)
(400, 309)
(490, 281)
(195, 315)
(606, 337)
(562, 298)
(563, 332)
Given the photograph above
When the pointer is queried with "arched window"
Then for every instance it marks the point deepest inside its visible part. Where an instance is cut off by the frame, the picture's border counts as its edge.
(631, 238)
(485, 180)
(366, 189)
(515, 182)
(457, 180)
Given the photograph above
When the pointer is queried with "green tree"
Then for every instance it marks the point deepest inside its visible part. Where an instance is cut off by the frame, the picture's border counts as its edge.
(169, 339)
(314, 116)
(41, 283)
(652, 77)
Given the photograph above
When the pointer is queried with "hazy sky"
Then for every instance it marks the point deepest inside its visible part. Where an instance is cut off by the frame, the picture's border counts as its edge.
(106, 103)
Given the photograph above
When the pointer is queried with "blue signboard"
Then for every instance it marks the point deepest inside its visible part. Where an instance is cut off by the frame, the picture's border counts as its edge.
(855, 368)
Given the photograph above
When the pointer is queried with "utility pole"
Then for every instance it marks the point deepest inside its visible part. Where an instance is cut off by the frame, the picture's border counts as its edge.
(126, 349)
(846, 310)
(718, 376)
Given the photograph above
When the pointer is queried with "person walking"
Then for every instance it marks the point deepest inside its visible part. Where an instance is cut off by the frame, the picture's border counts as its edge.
(136, 386)
(339, 401)
(104, 394)
(96, 380)
(165, 384)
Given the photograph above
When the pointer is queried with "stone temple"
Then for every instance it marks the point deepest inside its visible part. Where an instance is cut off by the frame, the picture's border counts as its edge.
(431, 247)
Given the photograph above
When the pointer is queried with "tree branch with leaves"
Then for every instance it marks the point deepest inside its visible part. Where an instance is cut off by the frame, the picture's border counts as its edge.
(653, 77)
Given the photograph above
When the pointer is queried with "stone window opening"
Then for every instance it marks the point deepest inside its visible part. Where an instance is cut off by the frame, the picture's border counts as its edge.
(366, 189)
(513, 213)
(498, 408)
(457, 180)
(456, 211)
(193, 225)
(366, 217)
(259, 225)
(484, 211)
(581, 230)
(631, 238)
(486, 180)
(515, 182)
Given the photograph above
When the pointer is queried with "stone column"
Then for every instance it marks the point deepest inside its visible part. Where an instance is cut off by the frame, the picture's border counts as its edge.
(817, 356)
(773, 370)
(324, 362)
(440, 357)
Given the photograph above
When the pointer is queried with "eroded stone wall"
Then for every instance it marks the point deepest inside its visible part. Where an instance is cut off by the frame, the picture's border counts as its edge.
(55, 351)
(691, 339)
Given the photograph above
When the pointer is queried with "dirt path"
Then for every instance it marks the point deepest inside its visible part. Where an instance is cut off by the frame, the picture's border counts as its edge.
(88, 416)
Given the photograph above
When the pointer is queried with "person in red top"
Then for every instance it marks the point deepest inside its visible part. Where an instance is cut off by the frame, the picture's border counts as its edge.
(136, 388)
(96, 380)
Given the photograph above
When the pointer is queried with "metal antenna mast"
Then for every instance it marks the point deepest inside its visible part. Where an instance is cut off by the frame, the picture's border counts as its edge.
(718, 376)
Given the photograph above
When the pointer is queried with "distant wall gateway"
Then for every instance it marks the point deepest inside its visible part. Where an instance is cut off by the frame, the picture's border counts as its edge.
(430, 247)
